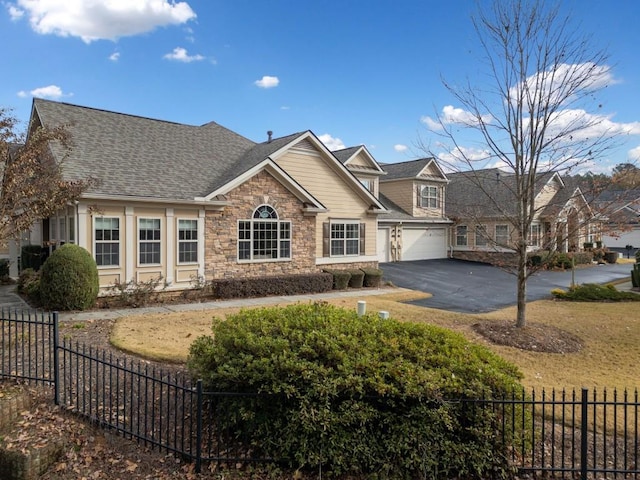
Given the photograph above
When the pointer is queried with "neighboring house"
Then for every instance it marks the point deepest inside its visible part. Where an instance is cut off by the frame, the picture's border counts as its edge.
(182, 201)
(483, 205)
(415, 228)
(623, 215)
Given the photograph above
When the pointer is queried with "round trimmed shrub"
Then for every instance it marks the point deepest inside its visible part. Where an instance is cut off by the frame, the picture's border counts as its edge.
(69, 279)
(358, 395)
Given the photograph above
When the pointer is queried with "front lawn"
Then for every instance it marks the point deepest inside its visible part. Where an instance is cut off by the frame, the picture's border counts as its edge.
(610, 334)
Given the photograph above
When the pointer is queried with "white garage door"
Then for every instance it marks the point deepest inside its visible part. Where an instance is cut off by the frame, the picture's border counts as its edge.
(631, 237)
(423, 244)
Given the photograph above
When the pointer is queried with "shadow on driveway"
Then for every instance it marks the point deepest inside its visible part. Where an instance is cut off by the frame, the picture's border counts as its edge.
(470, 287)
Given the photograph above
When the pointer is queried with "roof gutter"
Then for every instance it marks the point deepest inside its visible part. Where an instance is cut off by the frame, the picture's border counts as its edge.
(197, 201)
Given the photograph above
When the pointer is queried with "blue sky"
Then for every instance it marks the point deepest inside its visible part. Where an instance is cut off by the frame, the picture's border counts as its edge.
(353, 72)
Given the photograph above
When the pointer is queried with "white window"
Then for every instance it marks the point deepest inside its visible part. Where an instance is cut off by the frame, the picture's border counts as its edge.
(482, 239)
(502, 235)
(534, 236)
(264, 237)
(187, 241)
(149, 246)
(345, 238)
(62, 230)
(461, 235)
(72, 230)
(107, 241)
(429, 197)
(368, 183)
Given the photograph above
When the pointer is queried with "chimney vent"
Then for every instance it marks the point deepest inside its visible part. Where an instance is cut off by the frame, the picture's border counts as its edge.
(269, 134)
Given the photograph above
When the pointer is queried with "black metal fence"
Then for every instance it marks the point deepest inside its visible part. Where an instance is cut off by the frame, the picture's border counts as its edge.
(587, 435)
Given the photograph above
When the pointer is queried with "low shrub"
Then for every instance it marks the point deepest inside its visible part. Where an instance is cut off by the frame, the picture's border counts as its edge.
(137, 294)
(357, 395)
(340, 279)
(357, 278)
(69, 279)
(593, 292)
(372, 277)
(582, 258)
(271, 286)
(29, 285)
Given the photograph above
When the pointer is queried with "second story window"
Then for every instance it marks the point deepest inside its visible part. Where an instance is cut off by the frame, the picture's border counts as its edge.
(429, 197)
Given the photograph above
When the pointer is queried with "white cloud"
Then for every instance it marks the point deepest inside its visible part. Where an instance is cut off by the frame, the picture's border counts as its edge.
(14, 12)
(285, 107)
(400, 148)
(93, 20)
(180, 54)
(267, 82)
(581, 125)
(633, 155)
(331, 143)
(555, 85)
(464, 156)
(114, 57)
(451, 115)
(51, 91)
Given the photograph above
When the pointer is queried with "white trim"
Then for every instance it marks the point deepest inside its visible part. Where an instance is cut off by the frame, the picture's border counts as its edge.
(119, 241)
(138, 241)
(171, 238)
(81, 227)
(253, 221)
(350, 259)
(129, 239)
(200, 201)
(201, 240)
(345, 222)
(177, 237)
(274, 169)
(360, 149)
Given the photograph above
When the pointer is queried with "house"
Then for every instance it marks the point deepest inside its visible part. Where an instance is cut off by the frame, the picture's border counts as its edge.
(483, 206)
(416, 225)
(185, 202)
(623, 213)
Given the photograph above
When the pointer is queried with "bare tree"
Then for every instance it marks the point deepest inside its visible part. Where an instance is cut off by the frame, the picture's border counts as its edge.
(530, 104)
(31, 182)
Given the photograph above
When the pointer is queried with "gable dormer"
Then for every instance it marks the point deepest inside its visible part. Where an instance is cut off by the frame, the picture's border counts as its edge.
(417, 186)
(363, 166)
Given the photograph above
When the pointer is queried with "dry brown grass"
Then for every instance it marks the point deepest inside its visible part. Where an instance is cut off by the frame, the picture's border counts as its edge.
(610, 333)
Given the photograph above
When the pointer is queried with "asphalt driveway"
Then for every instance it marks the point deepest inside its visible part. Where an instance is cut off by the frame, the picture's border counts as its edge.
(470, 287)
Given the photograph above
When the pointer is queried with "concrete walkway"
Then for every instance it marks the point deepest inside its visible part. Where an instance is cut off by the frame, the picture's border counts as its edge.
(9, 299)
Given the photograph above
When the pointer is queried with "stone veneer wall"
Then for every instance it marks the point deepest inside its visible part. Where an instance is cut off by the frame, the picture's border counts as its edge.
(493, 258)
(349, 266)
(221, 231)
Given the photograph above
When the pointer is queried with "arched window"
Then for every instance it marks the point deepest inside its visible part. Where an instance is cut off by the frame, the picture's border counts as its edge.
(264, 237)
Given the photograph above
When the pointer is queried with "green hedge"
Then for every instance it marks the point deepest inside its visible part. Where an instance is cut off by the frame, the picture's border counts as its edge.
(340, 279)
(593, 292)
(271, 286)
(357, 395)
(69, 279)
(357, 278)
(372, 277)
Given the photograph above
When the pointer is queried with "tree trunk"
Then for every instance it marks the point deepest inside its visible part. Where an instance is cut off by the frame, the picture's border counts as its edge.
(521, 319)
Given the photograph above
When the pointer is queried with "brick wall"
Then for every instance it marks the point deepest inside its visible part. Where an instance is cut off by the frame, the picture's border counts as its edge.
(221, 231)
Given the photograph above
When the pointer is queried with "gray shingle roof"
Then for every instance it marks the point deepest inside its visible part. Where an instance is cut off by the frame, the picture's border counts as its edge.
(136, 156)
(410, 169)
(346, 153)
(490, 193)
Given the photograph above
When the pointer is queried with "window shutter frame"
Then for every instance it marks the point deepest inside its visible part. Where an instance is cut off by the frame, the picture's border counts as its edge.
(326, 240)
(363, 230)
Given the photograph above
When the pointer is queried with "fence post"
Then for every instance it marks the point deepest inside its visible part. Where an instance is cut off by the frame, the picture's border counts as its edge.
(56, 363)
(199, 426)
(583, 435)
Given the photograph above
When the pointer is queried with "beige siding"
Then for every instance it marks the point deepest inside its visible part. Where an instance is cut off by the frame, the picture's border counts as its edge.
(546, 194)
(360, 160)
(400, 192)
(129, 243)
(315, 174)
